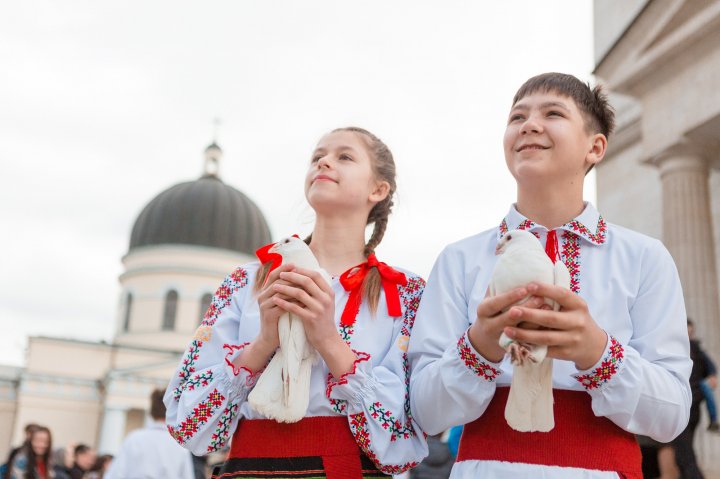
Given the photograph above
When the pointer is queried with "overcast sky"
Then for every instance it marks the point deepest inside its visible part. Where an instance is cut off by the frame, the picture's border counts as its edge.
(105, 104)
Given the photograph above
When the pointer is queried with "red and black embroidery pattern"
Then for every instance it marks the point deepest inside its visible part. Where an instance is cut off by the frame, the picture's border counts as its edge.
(236, 280)
(201, 379)
(359, 429)
(610, 364)
(389, 423)
(571, 258)
(525, 225)
(222, 431)
(472, 361)
(598, 237)
(200, 415)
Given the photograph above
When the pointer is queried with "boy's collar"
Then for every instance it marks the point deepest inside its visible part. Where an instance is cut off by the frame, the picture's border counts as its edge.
(588, 224)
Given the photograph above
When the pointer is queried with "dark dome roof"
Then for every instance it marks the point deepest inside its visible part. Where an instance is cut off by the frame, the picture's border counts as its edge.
(204, 212)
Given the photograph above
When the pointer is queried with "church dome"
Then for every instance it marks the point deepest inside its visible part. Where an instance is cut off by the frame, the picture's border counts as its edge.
(204, 212)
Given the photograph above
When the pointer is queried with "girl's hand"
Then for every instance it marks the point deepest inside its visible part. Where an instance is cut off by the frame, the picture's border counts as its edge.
(485, 332)
(256, 355)
(306, 294)
(570, 333)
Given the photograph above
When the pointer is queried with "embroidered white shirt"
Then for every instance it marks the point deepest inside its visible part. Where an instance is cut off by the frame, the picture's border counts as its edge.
(208, 395)
(631, 286)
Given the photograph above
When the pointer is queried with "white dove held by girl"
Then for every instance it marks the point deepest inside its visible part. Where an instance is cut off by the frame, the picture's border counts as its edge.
(283, 391)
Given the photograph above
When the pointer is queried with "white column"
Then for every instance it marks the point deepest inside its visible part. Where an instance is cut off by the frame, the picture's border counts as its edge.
(113, 430)
(688, 235)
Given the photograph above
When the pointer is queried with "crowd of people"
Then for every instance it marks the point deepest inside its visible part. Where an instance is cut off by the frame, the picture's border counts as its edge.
(35, 458)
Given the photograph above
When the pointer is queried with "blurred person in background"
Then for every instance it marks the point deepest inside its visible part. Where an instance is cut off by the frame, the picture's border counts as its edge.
(150, 452)
(98, 470)
(32, 461)
(83, 460)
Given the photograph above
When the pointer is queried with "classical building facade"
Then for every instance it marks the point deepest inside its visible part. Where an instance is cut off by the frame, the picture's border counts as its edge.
(183, 243)
(661, 61)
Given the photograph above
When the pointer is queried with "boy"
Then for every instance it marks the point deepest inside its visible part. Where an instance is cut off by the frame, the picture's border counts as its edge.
(619, 341)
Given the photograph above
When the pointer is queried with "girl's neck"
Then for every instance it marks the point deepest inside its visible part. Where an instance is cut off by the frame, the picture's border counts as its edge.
(338, 243)
(548, 207)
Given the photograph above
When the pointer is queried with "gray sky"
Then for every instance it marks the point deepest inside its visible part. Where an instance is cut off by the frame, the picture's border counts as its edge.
(105, 104)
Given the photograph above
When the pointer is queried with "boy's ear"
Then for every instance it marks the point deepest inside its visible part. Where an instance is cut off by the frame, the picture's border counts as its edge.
(381, 191)
(598, 147)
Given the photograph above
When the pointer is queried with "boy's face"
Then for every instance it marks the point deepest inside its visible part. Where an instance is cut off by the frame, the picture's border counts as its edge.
(546, 139)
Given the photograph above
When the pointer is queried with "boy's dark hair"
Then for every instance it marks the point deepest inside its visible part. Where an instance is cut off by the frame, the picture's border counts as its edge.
(157, 406)
(80, 449)
(599, 115)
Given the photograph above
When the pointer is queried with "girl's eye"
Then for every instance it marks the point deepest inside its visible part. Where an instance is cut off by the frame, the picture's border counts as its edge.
(345, 157)
(316, 158)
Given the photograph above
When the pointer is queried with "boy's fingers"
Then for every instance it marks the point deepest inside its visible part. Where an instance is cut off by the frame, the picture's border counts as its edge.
(563, 296)
(490, 307)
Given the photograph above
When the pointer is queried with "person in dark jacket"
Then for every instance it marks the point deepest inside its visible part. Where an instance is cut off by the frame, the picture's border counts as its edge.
(683, 444)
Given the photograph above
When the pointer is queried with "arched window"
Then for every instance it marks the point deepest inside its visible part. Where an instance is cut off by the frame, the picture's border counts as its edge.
(128, 308)
(204, 305)
(171, 299)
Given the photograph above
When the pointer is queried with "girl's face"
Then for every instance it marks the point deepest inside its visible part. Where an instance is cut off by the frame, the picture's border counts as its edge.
(340, 178)
(40, 442)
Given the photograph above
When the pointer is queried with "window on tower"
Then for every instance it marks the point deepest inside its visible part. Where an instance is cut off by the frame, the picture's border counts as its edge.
(128, 308)
(204, 304)
(171, 299)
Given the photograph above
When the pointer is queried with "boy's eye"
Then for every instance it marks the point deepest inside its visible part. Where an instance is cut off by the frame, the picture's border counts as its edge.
(554, 113)
(516, 117)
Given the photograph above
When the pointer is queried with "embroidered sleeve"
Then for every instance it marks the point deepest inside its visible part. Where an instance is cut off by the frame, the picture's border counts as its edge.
(205, 393)
(609, 365)
(474, 361)
(376, 395)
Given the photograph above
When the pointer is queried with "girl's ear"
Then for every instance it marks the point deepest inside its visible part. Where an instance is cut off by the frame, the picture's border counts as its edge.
(381, 191)
(597, 149)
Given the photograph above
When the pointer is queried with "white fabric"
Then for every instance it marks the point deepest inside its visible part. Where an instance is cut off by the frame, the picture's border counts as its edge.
(374, 396)
(150, 453)
(631, 286)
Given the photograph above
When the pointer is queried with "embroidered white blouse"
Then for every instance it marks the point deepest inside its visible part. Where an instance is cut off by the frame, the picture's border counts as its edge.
(631, 286)
(208, 395)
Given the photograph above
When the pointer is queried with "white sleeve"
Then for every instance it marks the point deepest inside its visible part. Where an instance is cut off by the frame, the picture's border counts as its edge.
(643, 386)
(377, 396)
(206, 391)
(450, 382)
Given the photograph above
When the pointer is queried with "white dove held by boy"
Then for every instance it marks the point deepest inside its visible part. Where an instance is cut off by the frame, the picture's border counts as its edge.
(283, 391)
(523, 260)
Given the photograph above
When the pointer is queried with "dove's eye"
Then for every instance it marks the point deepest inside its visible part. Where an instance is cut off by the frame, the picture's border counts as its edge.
(509, 237)
(286, 241)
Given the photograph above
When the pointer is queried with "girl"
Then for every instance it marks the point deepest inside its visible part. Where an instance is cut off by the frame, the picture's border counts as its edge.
(358, 422)
(33, 459)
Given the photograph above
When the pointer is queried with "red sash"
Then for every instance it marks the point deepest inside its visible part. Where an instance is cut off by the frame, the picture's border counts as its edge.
(579, 439)
(326, 436)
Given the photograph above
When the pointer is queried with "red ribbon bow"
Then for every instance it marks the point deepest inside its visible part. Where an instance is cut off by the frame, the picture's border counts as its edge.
(265, 256)
(352, 281)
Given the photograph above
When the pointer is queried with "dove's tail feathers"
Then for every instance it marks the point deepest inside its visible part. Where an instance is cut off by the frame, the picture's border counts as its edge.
(526, 408)
(542, 408)
(266, 396)
(299, 391)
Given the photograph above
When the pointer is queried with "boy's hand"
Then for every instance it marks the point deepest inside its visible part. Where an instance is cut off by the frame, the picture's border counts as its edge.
(570, 333)
(485, 332)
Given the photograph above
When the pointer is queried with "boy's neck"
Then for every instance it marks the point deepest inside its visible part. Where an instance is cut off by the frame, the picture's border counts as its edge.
(550, 209)
(338, 243)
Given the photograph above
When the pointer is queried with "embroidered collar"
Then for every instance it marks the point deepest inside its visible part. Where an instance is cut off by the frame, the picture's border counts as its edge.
(595, 233)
